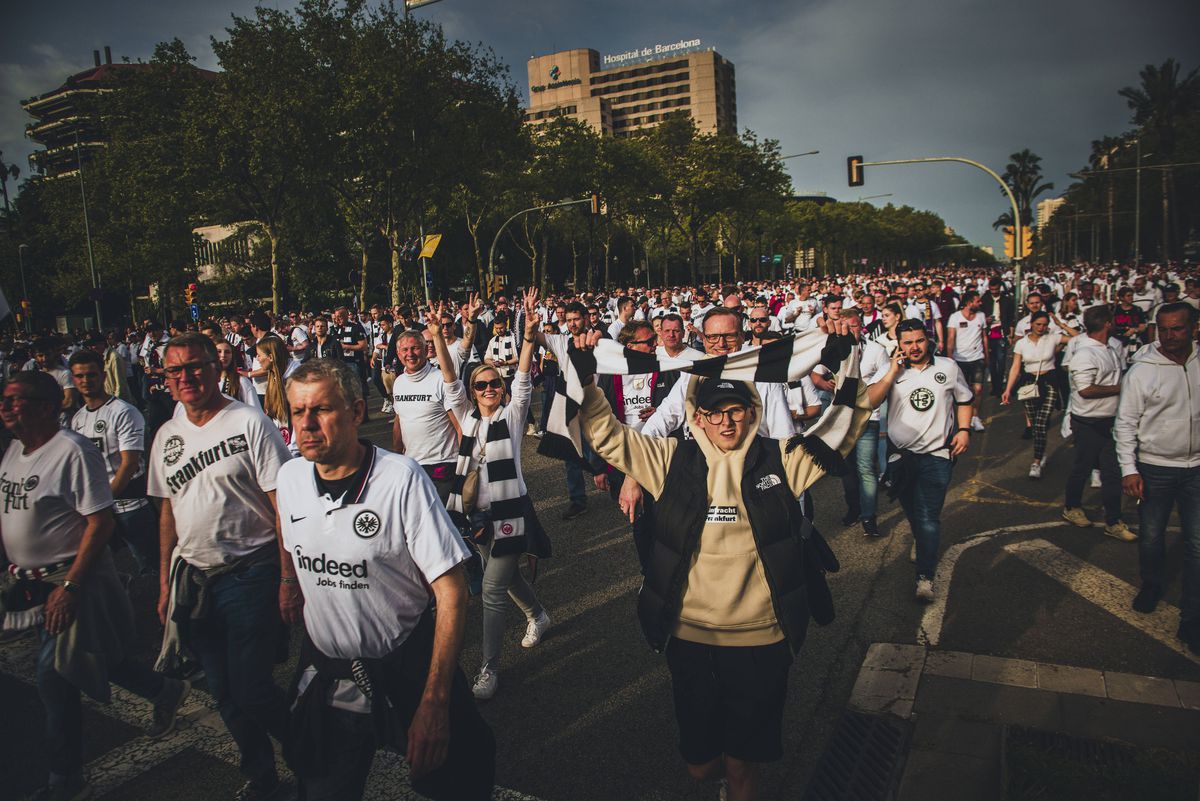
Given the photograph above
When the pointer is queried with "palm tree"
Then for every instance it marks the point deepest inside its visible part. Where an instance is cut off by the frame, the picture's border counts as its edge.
(1023, 174)
(1158, 105)
(1101, 159)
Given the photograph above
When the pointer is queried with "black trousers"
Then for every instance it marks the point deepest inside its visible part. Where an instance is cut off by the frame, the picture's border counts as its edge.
(997, 364)
(1094, 448)
(469, 772)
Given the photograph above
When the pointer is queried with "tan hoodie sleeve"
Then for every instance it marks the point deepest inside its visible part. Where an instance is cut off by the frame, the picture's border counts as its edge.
(644, 458)
(802, 470)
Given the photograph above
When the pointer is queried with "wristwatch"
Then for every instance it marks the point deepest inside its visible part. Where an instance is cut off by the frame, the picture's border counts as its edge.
(964, 429)
(72, 587)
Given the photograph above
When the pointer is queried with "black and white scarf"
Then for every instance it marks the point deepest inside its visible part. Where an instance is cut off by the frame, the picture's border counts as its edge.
(780, 360)
(507, 503)
(503, 348)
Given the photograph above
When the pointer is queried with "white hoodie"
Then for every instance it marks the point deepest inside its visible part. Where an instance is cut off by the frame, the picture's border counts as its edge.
(1158, 418)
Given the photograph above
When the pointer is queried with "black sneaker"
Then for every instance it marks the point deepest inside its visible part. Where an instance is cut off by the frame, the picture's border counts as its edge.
(1147, 598)
(851, 517)
(167, 706)
(871, 528)
(574, 511)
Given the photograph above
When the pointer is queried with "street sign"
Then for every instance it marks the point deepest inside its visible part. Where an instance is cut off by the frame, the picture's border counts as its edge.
(431, 244)
(429, 280)
(778, 259)
(195, 310)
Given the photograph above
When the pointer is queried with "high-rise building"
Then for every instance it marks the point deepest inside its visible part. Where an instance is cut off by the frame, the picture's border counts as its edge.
(1046, 209)
(626, 92)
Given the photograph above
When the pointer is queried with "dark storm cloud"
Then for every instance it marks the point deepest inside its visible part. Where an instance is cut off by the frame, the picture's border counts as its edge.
(885, 79)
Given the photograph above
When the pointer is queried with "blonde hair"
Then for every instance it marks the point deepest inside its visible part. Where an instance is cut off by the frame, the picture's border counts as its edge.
(275, 400)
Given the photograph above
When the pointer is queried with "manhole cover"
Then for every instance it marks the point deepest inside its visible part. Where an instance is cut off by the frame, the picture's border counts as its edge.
(861, 761)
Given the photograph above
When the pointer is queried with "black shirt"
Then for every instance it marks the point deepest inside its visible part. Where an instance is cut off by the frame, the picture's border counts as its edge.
(350, 334)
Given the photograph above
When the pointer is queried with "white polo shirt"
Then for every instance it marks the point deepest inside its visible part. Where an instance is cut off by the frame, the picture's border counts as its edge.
(921, 406)
(422, 402)
(45, 495)
(217, 477)
(364, 561)
(114, 427)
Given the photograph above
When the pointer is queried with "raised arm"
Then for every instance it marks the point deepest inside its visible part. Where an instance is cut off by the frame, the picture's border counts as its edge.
(433, 324)
(529, 336)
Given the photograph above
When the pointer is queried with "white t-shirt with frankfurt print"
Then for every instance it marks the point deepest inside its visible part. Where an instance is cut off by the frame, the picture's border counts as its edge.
(45, 495)
(217, 477)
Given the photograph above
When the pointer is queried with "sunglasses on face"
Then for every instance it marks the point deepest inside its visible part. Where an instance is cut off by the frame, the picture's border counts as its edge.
(480, 386)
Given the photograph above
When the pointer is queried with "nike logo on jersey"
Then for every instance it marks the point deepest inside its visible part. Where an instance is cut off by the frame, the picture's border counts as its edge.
(297, 519)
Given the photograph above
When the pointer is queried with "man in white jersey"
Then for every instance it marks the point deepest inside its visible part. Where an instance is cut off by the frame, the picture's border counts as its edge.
(927, 396)
(372, 545)
(964, 342)
(222, 575)
(55, 520)
(119, 431)
(424, 427)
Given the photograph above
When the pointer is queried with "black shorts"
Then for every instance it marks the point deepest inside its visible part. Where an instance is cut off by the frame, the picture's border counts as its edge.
(974, 371)
(729, 700)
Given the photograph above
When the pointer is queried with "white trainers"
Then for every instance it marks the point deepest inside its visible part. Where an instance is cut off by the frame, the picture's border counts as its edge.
(977, 424)
(924, 589)
(486, 684)
(535, 630)
(1095, 479)
(387, 407)
(1035, 470)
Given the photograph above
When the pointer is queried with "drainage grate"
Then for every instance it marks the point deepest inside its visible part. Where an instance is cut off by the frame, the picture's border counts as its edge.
(862, 760)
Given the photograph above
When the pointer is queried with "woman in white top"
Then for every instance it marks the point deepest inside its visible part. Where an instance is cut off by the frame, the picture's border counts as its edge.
(233, 383)
(1034, 366)
(483, 408)
(273, 357)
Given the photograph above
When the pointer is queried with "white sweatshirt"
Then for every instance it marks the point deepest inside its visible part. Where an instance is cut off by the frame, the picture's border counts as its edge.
(1158, 418)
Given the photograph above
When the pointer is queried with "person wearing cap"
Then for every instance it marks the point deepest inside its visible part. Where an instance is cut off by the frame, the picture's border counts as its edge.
(723, 593)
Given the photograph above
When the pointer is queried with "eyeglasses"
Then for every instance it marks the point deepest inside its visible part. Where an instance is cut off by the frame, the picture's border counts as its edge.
(191, 368)
(480, 386)
(736, 415)
(760, 319)
(713, 339)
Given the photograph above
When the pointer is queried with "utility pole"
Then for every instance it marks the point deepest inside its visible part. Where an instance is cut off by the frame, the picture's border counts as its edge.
(87, 232)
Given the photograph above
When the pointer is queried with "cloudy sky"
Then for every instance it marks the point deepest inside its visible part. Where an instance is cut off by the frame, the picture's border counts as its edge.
(883, 78)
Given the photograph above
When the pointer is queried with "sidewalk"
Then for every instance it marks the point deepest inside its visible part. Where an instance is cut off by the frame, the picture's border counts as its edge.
(961, 708)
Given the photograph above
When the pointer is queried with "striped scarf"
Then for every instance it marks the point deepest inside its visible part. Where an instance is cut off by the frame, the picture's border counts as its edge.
(780, 360)
(507, 507)
(503, 348)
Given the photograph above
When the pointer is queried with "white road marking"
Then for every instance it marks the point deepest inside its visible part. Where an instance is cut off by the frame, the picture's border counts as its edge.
(1102, 589)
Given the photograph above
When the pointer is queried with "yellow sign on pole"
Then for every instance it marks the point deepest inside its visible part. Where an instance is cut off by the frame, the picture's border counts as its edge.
(431, 243)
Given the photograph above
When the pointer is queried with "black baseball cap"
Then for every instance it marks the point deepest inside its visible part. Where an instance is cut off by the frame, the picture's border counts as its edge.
(714, 391)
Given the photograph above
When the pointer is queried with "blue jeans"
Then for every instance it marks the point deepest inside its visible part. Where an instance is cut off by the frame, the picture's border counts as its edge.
(237, 645)
(64, 708)
(860, 482)
(138, 529)
(923, 507)
(997, 364)
(1163, 488)
(576, 489)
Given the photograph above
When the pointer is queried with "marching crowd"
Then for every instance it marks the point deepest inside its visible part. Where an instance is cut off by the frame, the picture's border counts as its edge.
(226, 457)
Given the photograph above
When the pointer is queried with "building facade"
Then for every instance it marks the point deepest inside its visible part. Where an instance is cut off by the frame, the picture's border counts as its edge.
(624, 93)
(1046, 209)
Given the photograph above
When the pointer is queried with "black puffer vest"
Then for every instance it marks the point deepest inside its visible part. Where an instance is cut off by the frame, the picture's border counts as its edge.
(678, 522)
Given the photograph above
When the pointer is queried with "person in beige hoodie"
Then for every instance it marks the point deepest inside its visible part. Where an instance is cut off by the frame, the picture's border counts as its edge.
(724, 593)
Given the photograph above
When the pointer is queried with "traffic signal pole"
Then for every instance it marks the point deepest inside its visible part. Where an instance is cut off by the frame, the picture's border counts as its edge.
(1018, 245)
(592, 199)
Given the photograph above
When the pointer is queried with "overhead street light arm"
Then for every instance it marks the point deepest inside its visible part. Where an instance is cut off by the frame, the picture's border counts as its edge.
(500, 230)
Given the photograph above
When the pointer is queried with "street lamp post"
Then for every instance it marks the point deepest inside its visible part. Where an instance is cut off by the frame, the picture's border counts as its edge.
(87, 232)
(24, 291)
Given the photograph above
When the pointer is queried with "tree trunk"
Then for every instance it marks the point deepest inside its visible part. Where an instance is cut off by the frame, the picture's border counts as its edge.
(1166, 215)
(275, 304)
(1112, 199)
(574, 265)
(474, 231)
(362, 278)
(394, 245)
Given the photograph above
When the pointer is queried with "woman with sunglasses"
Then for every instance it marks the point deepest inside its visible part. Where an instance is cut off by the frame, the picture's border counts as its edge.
(1033, 366)
(501, 514)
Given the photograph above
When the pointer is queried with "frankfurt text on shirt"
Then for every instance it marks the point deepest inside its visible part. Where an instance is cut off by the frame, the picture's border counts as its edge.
(206, 458)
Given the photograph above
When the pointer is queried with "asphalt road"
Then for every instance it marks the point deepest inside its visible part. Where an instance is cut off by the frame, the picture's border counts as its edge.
(587, 714)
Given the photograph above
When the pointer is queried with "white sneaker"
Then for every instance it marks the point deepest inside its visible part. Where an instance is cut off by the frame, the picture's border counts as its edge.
(924, 589)
(1095, 479)
(387, 407)
(530, 430)
(977, 424)
(1035, 470)
(486, 684)
(535, 630)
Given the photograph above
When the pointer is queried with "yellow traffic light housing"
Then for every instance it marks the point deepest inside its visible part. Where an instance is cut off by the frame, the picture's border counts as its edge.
(1026, 241)
(1009, 243)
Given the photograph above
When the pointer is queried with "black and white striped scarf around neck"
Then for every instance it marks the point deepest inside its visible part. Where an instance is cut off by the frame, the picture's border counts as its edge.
(780, 360)
(507, 503)
(503, 348)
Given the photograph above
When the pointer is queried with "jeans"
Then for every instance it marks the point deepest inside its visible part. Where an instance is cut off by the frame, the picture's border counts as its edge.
(576, 489)
(923, 507)
(502, 580)
(468, 774)
(64, 707)
(1094, 448)
(1164, 487)
(237, 645)
(997, 364)
(860, 484)
(138, 529)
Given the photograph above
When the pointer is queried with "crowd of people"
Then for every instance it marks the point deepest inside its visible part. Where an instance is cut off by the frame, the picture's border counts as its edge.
(225, 455)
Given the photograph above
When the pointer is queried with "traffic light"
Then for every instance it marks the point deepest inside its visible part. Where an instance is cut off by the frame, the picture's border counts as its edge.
(189, 294)
(595, 205)
(1026, 241)
(854, 171)
(1009, 245)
